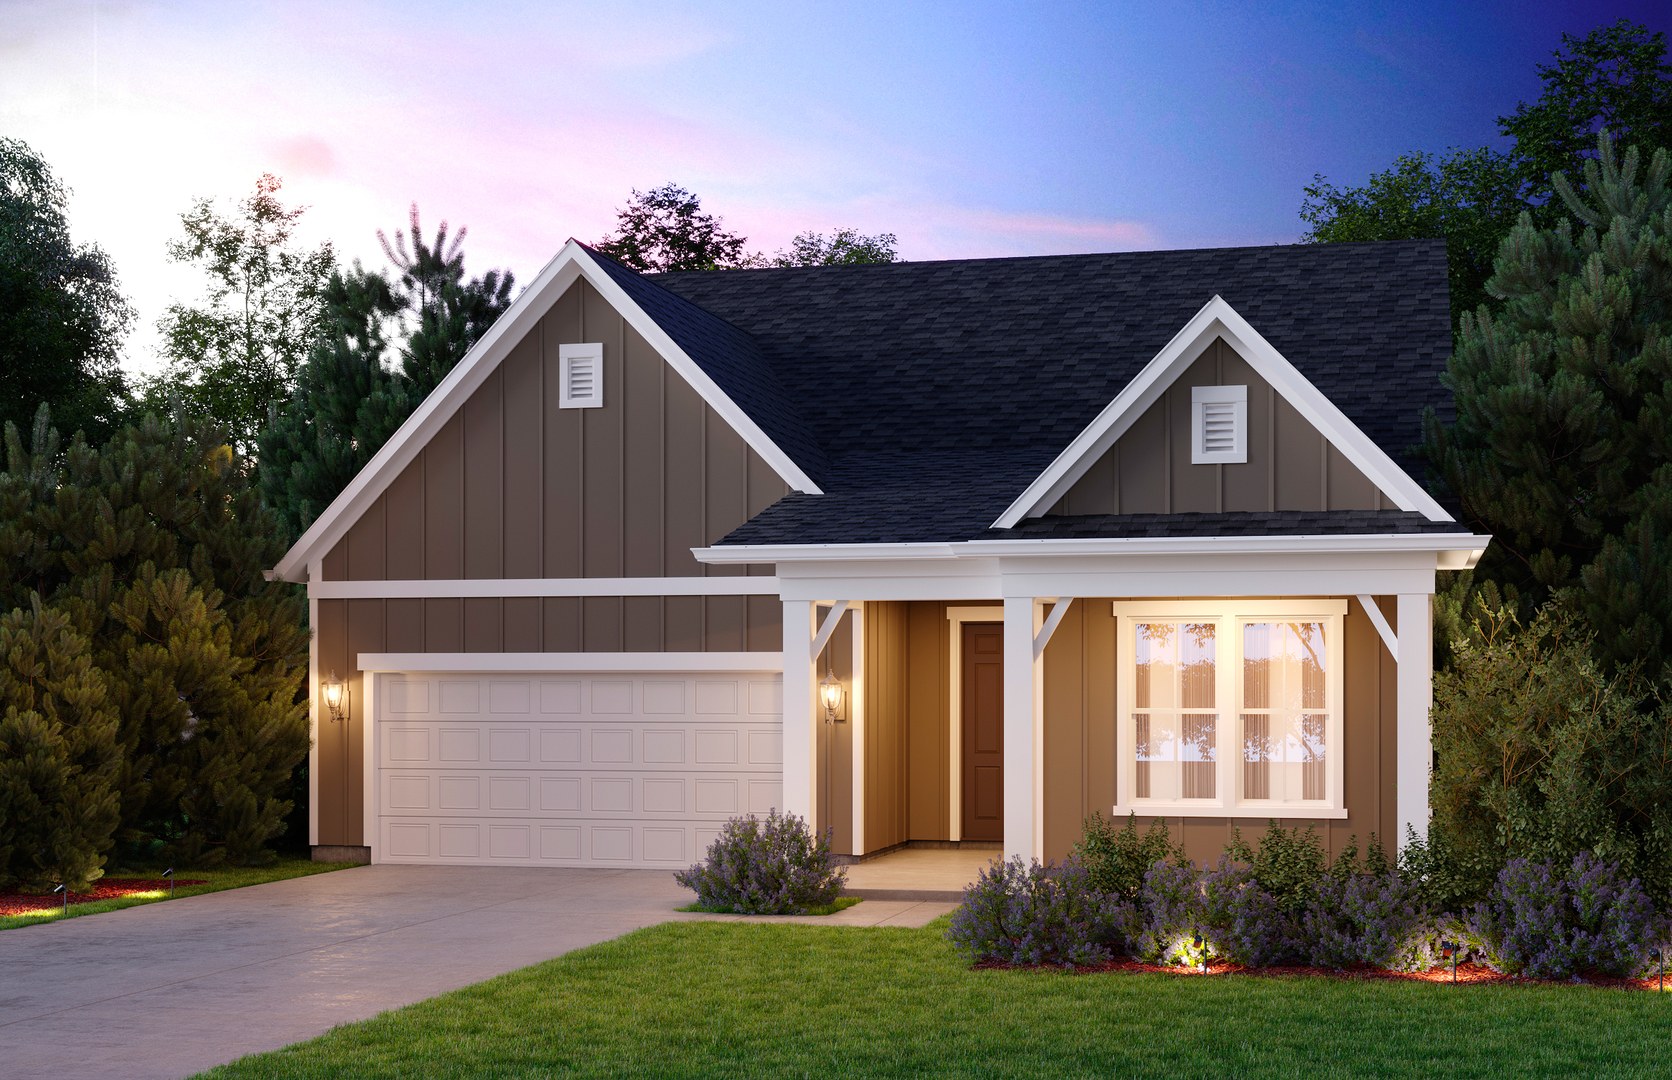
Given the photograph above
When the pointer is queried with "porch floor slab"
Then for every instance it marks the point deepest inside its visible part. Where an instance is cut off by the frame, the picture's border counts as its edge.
(919, 874)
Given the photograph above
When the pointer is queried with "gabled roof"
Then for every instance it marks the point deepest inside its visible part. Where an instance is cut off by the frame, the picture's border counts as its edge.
(939, 391)
(721, 355)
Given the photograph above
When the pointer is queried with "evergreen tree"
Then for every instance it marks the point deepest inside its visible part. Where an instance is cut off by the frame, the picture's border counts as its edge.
(62, 315)
(1613, 79)
(154, 549)
(58, 754)
(350, 397)
(665, 229)
(236, 354)
(1562, 448)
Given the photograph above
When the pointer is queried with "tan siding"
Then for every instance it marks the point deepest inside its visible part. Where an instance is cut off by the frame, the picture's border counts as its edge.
(928, 757)
(885, 707)
(1148, 470)
(1080, 705)
(833, 808)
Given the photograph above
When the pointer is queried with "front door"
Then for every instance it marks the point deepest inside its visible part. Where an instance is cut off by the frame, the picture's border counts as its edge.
(983, 727)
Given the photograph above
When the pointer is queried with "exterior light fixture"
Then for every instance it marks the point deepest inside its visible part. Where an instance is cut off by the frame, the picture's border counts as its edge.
(333, 689)
(169, 874)
(65, 889)
(830, 693)
(1450, 948)
(1660, 960)
(1202, 951)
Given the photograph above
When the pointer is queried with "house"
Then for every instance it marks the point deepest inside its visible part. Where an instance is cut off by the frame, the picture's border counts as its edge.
(945, 553)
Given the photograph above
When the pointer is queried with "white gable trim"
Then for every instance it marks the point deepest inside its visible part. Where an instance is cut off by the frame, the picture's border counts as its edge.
(482, 360)
(1218, 319)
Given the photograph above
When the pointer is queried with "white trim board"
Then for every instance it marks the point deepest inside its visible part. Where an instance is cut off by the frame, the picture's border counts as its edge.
(491, 587)
(1217, 319)
(611, 662)
(567, 266)
(958, 616)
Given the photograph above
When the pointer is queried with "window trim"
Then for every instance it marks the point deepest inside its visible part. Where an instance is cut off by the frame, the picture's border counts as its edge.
(1229, 616)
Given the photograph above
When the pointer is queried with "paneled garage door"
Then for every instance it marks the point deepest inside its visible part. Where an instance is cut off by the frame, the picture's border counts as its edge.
(571, 770)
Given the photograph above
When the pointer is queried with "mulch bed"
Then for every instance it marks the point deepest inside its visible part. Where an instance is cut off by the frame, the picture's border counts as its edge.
(1466, 973)
(103, 889)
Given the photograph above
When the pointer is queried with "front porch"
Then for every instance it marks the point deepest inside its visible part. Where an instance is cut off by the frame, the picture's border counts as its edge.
(914, 873)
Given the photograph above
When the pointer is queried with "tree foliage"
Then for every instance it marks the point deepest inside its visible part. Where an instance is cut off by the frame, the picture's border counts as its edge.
(1562, 448)
(845, 247)
(351, 396)
(1614, 78)
(238, 351)
(153, 549)
(666, 229)
(62, 314)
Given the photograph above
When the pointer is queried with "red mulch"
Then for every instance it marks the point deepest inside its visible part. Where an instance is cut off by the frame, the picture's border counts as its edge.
(1466, 973)
(103, 889)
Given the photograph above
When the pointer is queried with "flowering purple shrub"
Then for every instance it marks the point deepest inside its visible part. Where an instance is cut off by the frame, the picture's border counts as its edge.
(1168, 916)
(1038, 914)
(771, 867)
(1548, 921)
(1366, 919)
(1244, 923)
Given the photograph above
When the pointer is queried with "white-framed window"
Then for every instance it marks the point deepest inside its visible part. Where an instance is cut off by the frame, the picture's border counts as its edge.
(580, 375)
(1218, 425)
(1229, 708)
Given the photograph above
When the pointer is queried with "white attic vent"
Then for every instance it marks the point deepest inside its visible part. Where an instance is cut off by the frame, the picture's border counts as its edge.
(1218, 425)
(580, 373)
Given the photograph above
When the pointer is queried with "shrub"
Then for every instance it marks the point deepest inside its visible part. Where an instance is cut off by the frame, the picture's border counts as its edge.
(1037, 914)
(1546, 920)
(1168, 916)
(1375, 919)
(771, 867)
(1244, 922)
(1117, 860)
(1287, 863)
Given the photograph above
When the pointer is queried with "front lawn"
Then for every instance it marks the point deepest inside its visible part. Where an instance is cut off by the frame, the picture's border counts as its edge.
(703, 999)
(234, 877)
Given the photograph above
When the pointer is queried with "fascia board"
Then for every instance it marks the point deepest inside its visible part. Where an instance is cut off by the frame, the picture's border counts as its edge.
(1232, 545)
(765, 553)
(740, 421)
(1116, 418)
(433, 412)
(1218, 318)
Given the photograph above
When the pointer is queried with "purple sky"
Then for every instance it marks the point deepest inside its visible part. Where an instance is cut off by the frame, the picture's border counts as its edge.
(967, 129)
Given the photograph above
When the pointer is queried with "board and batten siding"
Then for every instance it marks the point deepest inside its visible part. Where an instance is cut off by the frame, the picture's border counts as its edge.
(908, 724)
(512, 486)
(1291, 465)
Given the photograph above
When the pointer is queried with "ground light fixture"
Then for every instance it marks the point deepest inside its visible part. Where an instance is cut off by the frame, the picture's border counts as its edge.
(1450, 948)
(333, 691)
(1660, 961)
(169, 874)
(65, 890)
(1201, 949)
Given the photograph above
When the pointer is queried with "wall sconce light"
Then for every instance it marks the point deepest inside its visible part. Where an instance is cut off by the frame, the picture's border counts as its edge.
(334, 690)
(830, 692)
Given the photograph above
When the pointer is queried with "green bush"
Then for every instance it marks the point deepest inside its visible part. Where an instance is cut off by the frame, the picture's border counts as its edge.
(58, 754)
(1116, 860)
(153, 549)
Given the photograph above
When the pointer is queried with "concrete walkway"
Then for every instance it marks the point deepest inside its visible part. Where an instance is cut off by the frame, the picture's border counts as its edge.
(166, 990)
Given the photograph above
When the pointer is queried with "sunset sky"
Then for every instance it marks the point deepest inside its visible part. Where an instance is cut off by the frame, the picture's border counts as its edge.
(967, 129)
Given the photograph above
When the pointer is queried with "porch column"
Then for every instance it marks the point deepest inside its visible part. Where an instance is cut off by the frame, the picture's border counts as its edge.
(1415, 692)
(1023, 821)
(800, 716)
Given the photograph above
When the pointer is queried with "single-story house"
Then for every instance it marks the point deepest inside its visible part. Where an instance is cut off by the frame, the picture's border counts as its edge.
(943, 553)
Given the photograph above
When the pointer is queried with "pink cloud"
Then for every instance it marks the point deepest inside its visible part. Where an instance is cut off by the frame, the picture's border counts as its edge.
(304, 157)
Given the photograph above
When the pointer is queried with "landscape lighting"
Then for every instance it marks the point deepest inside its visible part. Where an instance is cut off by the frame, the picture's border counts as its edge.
(169, 874)
(65, 890)
(1449, 948)
(1660, 960)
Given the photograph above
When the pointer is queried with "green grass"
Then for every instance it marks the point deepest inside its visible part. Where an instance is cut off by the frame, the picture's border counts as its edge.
(841, 903)
(706, 999)
(228, 878)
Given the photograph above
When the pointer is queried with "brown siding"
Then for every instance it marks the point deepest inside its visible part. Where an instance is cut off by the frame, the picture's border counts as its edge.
(1290, 465)
(833, 809)
(928, 727)
(887, 663)
(1080, 739)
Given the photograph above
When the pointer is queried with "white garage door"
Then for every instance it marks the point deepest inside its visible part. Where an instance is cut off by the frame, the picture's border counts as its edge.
(572, 770)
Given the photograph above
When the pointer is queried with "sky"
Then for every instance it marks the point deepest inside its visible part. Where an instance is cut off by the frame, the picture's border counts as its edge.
(966, 129)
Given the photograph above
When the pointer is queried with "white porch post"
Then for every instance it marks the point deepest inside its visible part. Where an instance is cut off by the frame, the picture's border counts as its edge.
(1415, 686)
(1023, 822)
(800, 761)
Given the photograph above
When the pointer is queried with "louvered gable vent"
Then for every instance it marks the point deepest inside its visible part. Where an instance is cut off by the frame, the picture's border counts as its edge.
(1218, 425)
(581, 373)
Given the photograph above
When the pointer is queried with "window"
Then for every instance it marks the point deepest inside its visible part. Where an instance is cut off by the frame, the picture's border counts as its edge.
(580, 374)
(1218, 425)
(1229, 708)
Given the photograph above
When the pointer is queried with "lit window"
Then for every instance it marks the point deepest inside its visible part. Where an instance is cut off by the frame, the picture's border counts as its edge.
(1229, 708)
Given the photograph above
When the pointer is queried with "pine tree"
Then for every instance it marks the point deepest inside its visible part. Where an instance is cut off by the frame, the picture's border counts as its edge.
(350, 397)
(154, 549)
(58, 754)
(1562, 447)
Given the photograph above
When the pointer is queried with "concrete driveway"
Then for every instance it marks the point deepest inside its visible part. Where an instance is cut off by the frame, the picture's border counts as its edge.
(166, 990)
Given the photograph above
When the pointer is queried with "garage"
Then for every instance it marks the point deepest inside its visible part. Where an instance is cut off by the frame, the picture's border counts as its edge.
(541, 769)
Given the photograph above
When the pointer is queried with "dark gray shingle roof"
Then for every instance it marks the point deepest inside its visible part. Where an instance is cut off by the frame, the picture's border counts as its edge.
(923, 397)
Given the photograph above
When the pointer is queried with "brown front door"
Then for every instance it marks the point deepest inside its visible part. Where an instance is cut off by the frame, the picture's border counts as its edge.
(983, 722)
